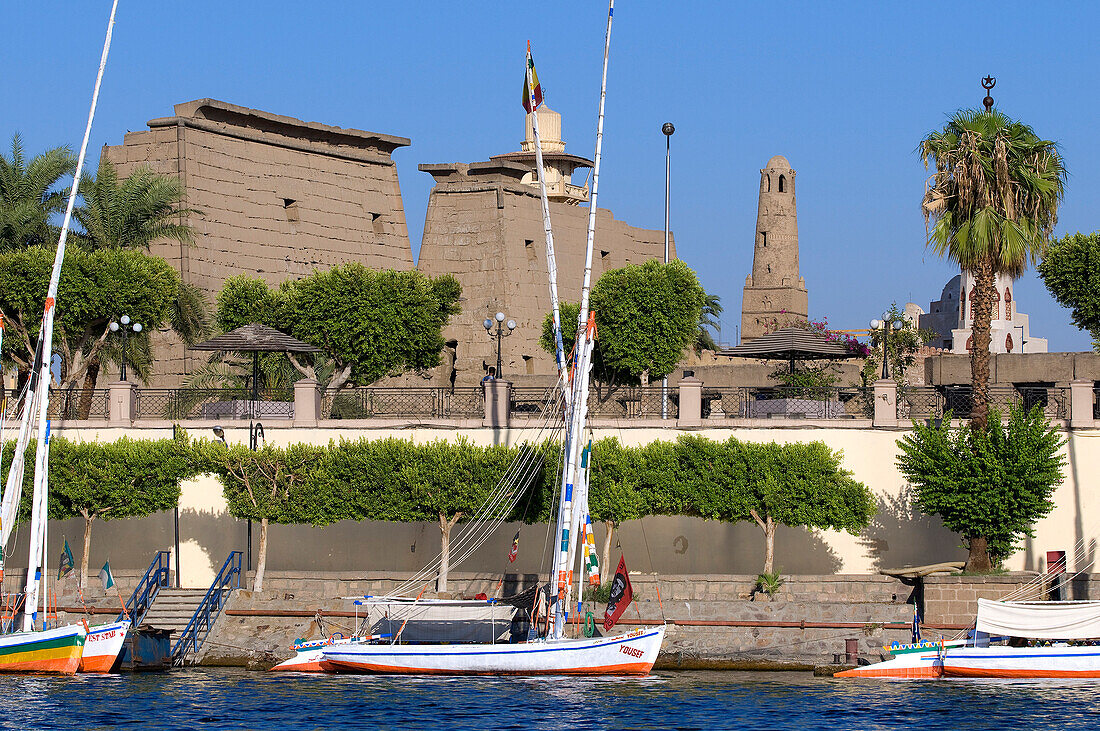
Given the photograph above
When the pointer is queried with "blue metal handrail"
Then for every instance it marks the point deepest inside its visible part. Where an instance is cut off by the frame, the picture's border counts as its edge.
(202, 621)
(141, 601)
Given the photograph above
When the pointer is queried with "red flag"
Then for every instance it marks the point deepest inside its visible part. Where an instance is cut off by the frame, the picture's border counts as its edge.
(514, 550)
(621, 595)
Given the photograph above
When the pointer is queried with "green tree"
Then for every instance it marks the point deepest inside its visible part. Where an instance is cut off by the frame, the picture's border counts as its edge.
(645, 316)
(1071, 271)
(270, 485)
(992, 204)
(988, 482)
(128, 478)
(615, 493)
(29, 195)
(95, 287)
(709, 323)
(801, 485)
(370, 324)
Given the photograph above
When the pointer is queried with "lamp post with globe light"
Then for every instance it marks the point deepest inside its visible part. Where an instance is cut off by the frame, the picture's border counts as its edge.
(885, 326)
(488, 325)
(124, 325)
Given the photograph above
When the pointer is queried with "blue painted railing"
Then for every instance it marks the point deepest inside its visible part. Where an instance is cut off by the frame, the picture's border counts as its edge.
(156, 578)
(202, 621)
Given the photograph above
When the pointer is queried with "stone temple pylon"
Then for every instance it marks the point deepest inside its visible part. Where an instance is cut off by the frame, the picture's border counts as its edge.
(774, 290)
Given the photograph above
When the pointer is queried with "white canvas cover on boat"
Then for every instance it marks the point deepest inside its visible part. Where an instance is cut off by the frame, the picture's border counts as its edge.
(442, 621)
(1040, 620)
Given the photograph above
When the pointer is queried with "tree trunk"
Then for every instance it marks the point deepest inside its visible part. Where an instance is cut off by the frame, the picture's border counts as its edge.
(606, 573)
(261, 557)
(90, 378)
(768, 526)
(984, 287)
(978, 561)
(445, 527)
(87, 546)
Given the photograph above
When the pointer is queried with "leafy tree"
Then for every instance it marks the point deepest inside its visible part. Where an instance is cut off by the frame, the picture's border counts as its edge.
(370, 324)
(615, 492)
(645, 316)
(1071, 271)
(95, 287)
(270, 485)
(901, 348)
(29, 195)
(989, 482)
(801, 484)
(992, 203)
(129, 478)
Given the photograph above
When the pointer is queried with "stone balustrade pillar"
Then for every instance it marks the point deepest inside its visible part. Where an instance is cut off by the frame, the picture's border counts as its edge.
(691, 401)
(886, 403)
(1080, 404)
(498, 404)
(307, 402)
(120, 405)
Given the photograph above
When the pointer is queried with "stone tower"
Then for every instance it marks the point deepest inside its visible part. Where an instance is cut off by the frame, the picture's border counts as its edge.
(774, 290)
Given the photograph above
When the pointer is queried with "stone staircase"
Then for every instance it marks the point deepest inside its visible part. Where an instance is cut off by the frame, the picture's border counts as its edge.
(173, 609)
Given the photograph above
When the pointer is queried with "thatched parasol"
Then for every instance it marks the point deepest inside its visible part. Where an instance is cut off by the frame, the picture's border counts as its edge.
(790, 344)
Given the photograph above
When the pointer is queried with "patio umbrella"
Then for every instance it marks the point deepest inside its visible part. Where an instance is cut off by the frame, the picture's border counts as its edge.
(790, 344)
(255, 338)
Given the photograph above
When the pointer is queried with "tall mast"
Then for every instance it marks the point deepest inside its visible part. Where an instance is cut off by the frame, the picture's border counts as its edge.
(586, 333)
(551, 261)
(38, 513)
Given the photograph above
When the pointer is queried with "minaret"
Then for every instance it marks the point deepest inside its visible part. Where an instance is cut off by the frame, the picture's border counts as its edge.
(774, 290)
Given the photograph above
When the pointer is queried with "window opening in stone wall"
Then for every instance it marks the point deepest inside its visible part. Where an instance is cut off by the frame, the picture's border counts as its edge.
(782, 184)
(1008, 303)
(528, 365)
(605, 259)
(376, 222)
(290, 207)
(529, 249)
(766, 184)
(1008, 343)
(764, 238)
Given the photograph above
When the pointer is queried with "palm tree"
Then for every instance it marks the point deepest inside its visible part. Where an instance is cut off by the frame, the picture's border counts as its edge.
(991, 207)
(708, 323)
(134, 212)
(28, 196)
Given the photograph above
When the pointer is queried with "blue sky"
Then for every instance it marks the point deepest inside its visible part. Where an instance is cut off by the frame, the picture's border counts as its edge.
(844, 90)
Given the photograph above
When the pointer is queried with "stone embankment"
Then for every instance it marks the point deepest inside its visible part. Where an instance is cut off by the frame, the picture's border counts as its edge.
(715, 621)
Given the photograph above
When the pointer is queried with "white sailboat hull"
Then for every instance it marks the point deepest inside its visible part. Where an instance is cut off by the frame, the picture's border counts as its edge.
(102, 646)
(1023, 662)
(631, 654)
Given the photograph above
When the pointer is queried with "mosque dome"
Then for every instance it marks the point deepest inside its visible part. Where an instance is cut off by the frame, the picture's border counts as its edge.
(778, 162)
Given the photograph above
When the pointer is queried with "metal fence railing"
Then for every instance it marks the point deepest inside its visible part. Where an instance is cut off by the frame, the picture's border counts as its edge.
(372, 403)
(77, 403)
(934, 402)
(788, 402)
(536, 401)
(222, 404)
(633, 402)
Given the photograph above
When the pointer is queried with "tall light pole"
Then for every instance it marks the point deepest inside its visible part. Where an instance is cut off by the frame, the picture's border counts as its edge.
(488, 325)
(668, 129)
(886, 326)
(125, 327)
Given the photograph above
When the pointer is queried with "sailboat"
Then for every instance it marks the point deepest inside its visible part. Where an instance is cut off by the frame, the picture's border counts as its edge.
(632, 653)
(38, 648)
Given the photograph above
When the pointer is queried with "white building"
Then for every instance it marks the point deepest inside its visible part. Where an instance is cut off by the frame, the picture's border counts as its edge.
(951, 317)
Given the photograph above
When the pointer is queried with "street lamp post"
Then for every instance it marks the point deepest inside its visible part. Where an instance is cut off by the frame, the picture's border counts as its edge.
(488, 325)
(668, 129)
(886, 326)
(124, 325)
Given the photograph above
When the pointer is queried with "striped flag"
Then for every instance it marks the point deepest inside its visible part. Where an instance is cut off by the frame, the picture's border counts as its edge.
(66, 564)
(514, 550)
(534, 89)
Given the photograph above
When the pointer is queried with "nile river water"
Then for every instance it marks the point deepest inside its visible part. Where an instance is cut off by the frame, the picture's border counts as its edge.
(238, 699)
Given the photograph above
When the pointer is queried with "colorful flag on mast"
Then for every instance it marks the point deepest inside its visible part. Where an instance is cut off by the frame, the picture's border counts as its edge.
(66, 565)
(621, 595)
(531, 87)
(514, 550)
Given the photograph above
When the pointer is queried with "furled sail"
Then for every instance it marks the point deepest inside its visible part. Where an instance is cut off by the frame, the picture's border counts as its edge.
(1040, 620)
